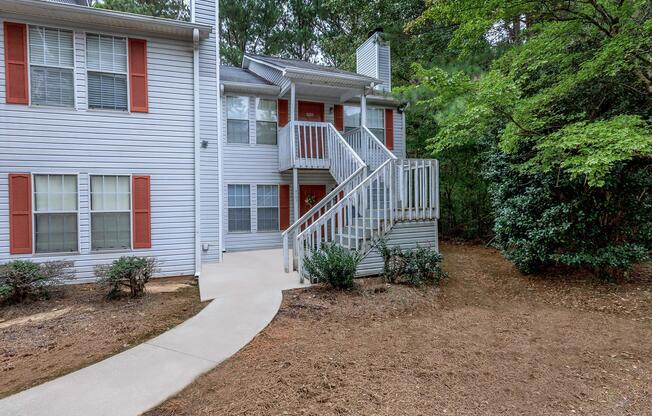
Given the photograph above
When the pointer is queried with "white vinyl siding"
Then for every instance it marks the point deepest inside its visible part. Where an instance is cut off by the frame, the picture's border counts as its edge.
(237, 123)
(110, 212)
(55, 213)
(239, 208)
(106, 61)
(376, 122)
(51, 58)
(266, 121)
(267, 207)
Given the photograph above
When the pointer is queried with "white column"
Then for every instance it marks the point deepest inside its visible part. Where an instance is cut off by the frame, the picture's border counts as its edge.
(295, 171)
(363, 109)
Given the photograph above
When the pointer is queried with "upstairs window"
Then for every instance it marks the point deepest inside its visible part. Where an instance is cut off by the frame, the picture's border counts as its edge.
(51, 63)
(55, 213)
(110, 212)
(266, 119)
(267, 207)
(351, 118)
(239, 208)
(237, 120)
(376, 122)
(106, 61)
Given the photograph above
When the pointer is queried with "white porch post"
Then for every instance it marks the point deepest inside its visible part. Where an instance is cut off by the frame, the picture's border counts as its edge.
(295, 172)
(363, 109)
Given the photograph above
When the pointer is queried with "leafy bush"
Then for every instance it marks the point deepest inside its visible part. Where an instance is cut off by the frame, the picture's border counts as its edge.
(22, 279)
(127, 272)
(334, 265)
(418, 266)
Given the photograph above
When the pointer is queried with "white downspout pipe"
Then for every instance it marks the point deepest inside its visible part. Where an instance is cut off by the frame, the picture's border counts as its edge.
(197, 142)
(220, 164)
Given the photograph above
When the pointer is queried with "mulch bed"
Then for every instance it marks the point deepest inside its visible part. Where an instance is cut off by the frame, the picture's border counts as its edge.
(488, 341)
(77, 326)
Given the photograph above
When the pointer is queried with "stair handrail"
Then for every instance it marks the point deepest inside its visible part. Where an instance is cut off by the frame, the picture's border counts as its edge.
(343, 188)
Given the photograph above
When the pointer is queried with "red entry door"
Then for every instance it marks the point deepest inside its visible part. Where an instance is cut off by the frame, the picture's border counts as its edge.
(311, 139)
(309, 195)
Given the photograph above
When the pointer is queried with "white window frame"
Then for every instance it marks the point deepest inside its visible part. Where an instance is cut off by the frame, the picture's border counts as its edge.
(91, 211)
(247, 119)
(383, 139)
(277, 206)
(229, 207)
(87, 70)
(77, 175)
(344, 116)
(29, 67)
(257, 101)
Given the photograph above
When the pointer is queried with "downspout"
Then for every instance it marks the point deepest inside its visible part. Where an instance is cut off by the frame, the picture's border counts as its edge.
(197, 137)
(220, 165)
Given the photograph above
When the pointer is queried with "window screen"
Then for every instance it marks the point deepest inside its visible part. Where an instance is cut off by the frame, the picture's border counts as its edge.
(106, 60)
(239, 208)
(266, 118)
(237, 120)
(55, 213)
(351, 118)
(376, 122)
(110, 212)
(267, 207)
(51, 58)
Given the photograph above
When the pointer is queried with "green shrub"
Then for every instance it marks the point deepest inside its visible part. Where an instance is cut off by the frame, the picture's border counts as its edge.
(127, 272)
(334, 265)
(418, 266)
(22, 279)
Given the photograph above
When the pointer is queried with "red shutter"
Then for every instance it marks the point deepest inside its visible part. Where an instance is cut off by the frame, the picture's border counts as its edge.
(20, 213)
(284, 206)
(338, 111)
(138, 75)
(389, 128)
(142, 213)
(16, 63)
(283, 113)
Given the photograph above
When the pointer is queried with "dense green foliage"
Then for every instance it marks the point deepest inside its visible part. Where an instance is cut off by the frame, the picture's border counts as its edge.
(416, 267)
(171, 9)
(21, 280)
(560, 119)
(332, 264)
(129, 272)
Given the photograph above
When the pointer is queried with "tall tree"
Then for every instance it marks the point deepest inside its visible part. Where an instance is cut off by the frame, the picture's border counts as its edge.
(171, 9)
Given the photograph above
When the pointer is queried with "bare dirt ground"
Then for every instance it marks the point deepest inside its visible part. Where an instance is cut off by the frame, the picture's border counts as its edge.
(42, 340)
(489, 341)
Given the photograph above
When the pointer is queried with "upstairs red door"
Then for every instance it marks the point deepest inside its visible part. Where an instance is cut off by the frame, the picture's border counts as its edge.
(309, 195)
(311, 140)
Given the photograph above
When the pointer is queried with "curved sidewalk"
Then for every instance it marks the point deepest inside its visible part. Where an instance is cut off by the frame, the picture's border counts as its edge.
(246, 290)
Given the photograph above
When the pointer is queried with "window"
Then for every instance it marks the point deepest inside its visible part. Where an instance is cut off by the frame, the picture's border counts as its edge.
(376, 122)
(351, 118)
(239, 208)
(266, 119)
(51, 62)
(237, 119)
(110, 212)
(267, 207)
(55, 213)
(106, 60)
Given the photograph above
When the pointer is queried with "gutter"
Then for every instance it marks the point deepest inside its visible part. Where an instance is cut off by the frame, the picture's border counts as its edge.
(197, 142)
(308, 74)
(251, 88)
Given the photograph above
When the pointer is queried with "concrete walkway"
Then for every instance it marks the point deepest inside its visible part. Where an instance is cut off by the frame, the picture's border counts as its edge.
(246, 289)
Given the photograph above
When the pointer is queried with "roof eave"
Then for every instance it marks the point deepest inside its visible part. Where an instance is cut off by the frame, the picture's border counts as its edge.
(355, 80)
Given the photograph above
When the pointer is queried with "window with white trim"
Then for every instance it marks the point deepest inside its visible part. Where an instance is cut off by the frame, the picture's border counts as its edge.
(267, 207)
(266, 119)
(237, 120)
(106, 61)
(239, 208)
(376, 122)
(55, 213)
(51, 64)
(351, 117)
(110, 212)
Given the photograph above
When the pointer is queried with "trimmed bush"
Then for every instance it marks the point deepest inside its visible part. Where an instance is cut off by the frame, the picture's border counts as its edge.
(418, 266)
(129, 272)
(334, 265)
(21, 280)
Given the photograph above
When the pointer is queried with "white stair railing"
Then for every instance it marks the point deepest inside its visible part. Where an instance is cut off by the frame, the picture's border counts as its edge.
(399, 190)
(367, 145)
(320, 145)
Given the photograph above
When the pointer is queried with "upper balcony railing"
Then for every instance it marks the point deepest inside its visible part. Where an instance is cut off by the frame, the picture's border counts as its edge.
(366, 144)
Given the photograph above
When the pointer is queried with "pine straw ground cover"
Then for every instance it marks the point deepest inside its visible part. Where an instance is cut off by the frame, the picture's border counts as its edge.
(489, 341)
(42, 340)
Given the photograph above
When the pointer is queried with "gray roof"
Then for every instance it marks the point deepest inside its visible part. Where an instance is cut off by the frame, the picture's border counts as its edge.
(235, 74)
(287, 63)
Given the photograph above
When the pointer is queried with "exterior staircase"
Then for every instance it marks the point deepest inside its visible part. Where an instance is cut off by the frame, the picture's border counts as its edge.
(378, 195)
